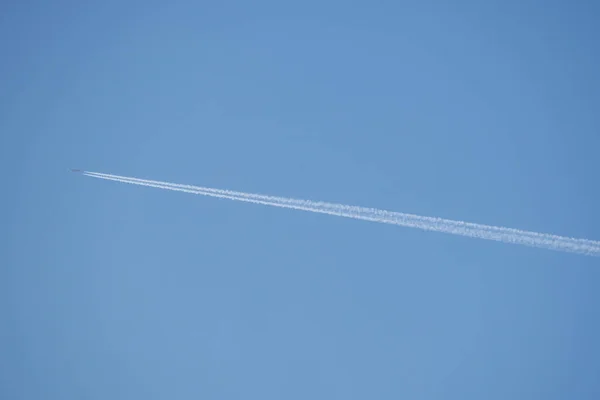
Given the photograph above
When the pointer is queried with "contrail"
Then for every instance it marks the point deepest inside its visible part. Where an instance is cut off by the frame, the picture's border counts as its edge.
(357, 209)
(501, 234)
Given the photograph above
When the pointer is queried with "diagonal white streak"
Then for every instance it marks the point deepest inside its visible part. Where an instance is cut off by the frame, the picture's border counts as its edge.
(502, 234)
(362, 210)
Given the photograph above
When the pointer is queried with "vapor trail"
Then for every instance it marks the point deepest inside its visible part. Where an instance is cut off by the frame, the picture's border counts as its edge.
(502, 234)
(356, 209)
(364, 210)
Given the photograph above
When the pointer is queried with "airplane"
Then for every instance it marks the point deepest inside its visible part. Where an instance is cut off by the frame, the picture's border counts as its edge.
(76, 170)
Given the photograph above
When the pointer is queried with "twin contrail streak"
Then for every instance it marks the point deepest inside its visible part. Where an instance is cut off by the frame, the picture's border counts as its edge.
(501, 234)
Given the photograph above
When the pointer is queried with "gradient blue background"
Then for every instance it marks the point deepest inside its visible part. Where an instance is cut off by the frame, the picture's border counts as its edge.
(485, 111)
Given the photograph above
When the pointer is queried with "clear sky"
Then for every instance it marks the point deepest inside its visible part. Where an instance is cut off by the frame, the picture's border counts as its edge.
(485, 111)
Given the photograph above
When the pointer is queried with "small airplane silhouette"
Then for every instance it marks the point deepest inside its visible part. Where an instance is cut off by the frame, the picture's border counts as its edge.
(76, 170)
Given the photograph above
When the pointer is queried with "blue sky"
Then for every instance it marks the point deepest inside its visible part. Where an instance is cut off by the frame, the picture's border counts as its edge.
(479, 111)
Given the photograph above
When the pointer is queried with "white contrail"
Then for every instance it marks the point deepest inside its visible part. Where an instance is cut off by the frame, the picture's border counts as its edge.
(362, 210)
(502, 234)
(356, 209)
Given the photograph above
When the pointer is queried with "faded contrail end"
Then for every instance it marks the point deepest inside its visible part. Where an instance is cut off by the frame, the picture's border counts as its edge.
(462, 228)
